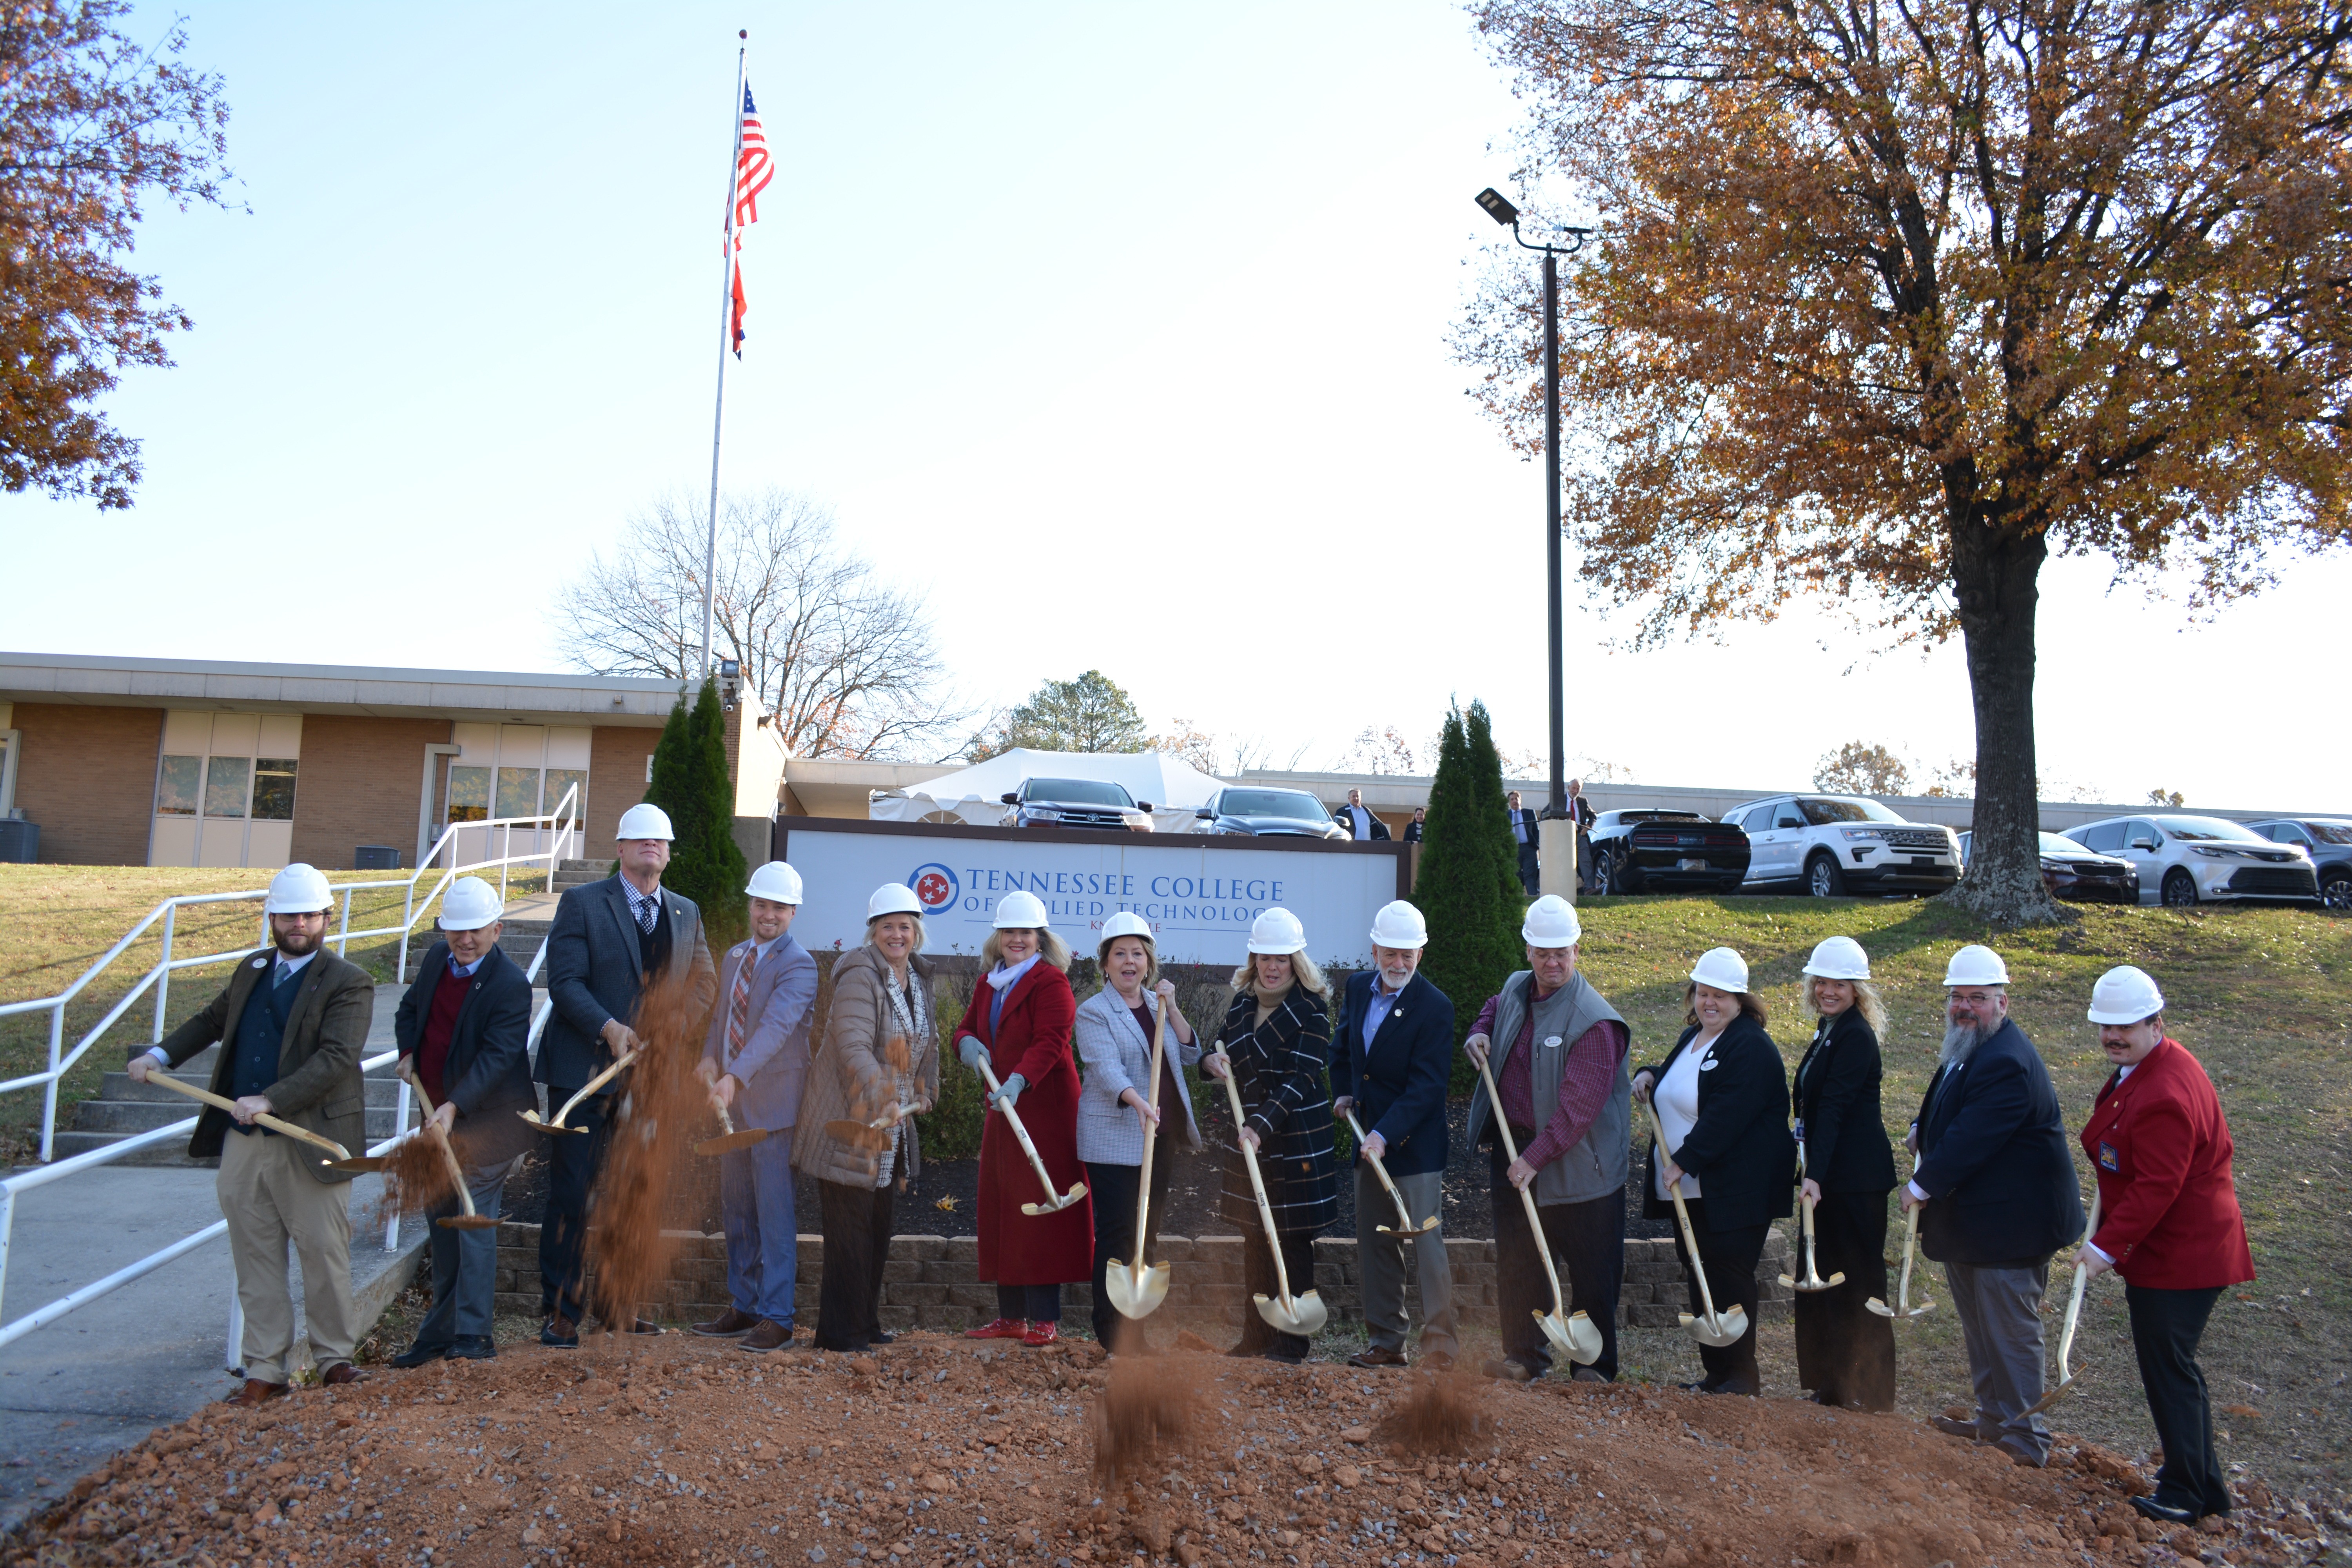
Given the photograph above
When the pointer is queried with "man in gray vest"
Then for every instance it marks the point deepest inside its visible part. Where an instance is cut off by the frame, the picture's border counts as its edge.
(1559, 1067)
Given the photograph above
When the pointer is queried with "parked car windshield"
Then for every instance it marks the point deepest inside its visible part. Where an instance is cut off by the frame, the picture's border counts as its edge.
(1821, 813)
(1078, 792)
(1273, 803)
(2059, 844)
(2331, 832)
(2209, 828)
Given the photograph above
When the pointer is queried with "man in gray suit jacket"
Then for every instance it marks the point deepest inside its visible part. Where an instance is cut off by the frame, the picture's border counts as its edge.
(754, 1060)
(609, 941)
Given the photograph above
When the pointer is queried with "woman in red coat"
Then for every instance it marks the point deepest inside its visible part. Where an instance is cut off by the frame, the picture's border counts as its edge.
(2168, 1222)
(1021, 1015)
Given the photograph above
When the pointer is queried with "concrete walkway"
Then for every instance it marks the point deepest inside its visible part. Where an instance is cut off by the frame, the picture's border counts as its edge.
(155, 1351)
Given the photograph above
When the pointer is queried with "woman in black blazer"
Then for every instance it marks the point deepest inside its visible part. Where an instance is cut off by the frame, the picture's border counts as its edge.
(1723, 1098)
(1845, 1352)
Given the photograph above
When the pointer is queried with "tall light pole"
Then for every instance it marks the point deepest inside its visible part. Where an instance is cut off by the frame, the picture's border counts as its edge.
(1560, 851)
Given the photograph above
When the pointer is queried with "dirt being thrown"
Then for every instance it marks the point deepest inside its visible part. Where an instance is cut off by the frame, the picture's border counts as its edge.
(662, 1109)
(1444, 1415)
(1146, 1408)
(415, 1178)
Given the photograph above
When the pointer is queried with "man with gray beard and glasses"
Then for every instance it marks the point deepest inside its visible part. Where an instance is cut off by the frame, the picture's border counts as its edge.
(1997, 1181)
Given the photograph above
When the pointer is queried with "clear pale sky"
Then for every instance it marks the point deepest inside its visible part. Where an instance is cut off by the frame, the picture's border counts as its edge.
(1120, 331)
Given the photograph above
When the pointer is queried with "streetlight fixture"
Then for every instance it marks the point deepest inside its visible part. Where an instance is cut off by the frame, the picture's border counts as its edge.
(1498, 207)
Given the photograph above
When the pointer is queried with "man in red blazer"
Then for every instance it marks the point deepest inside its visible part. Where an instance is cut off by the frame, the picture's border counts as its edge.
(2168, 1224)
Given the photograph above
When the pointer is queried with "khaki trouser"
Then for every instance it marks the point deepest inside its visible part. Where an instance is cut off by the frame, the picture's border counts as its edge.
(270, 1198)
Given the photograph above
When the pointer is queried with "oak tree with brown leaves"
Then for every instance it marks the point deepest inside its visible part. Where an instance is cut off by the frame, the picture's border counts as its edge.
(93, 123)
(1896, 299)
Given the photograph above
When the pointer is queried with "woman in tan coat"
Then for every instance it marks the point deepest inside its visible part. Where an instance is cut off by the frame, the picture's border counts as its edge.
(878, 1056)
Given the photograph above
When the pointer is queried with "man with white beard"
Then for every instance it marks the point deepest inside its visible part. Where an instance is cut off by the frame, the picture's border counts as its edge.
(1998, 1180)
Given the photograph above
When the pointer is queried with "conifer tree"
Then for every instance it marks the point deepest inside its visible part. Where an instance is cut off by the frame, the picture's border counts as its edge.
(1468, 886)
(691, 784)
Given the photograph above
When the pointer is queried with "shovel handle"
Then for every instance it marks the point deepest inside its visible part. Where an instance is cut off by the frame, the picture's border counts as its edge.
(1143, 1177)
(1257, 1184)
(594, 1084)
(1682, 1218)
(1526, 1198)
(456, 1172)
(2074, 1302)
(302, 1134)
(1019, 1131)
(1404, 1214)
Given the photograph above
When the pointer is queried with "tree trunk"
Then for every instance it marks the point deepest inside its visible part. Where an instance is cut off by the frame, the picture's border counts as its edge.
(1993, 581)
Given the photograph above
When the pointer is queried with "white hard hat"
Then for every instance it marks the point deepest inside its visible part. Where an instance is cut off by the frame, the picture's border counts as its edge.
(1020, 911)
(2124, 995)
(299, 890)
(1400, 925)
(1551, 923)
(469, 905)
(1721, 968)
(644, 820)
(777, 882)
(1127, 922)
(1276, 932)
(892, 898)
(1839, 958)
(1976, 966)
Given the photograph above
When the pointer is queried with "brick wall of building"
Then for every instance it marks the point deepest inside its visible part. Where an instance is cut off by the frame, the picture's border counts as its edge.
(616, 780)
(359, 784)
(88, 777)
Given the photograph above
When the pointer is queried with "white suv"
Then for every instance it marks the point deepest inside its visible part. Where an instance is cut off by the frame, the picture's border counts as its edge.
(1836, 844)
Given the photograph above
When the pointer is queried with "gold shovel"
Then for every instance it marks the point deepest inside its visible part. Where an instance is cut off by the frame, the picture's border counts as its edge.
(1135, 1289)
(1711, 1327)
(1812, 1280)
(590, 1087)
(2066, 1378)
(728, 1141)
(1303, 1315)
(1404, 1215)
(467, 1219)
(1573, 1335)
(1903, 1309)
(272, 1122)
(1055, 1202)
(871, 1136)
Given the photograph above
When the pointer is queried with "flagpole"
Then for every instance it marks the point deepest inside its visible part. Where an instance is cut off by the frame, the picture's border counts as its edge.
(726, 325)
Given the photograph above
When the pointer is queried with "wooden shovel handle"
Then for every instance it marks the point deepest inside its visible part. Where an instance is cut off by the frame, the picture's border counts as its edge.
(1151, 1098)
(1527, 1197)
(272, 1122)
(1682, 1214)
(1379, 1170)
(1020, 1132)
(456, 1171)
(1257, 1183)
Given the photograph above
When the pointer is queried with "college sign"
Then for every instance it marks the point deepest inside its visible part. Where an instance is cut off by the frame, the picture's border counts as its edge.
(1199, 892)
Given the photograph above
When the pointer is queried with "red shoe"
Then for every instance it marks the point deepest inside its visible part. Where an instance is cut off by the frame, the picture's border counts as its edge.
(1002, 1329)
(1041, 1334)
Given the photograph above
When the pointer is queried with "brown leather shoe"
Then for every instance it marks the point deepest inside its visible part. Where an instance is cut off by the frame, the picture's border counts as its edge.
(1377, 1355)
(644, 1326)
(341, 1373)
(256, 1393)
(770, 1336)
(728, 1324)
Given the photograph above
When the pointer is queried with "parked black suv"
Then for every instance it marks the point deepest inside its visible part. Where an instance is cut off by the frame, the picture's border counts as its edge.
(1076, 802)
(1642, 851)
(1260, 811)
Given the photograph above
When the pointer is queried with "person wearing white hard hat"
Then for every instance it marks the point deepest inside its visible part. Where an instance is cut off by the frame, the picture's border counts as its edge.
(463, 1028)
(1113, 1038)
(2168, 1222)
(1999, 1184)
(1277, 1045)
(611, 943)
(1559, 1053)
(753, 1060)
(1021, 1018)
(1722, 1098)
(880, 1057)
(291, 1024)
(1391, 1056)
(1845, 1352)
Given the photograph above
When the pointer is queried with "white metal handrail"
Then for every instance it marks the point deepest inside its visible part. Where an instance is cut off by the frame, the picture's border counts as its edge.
(562, 825)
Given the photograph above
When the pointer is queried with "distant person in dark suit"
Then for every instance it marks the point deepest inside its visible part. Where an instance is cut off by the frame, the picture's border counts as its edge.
(1999, 1184)
(1412, 830)
(1580, 811)
(1361, 824)
(609, 941)
(1525, 835)
(464, 1030)
(1390, 1061)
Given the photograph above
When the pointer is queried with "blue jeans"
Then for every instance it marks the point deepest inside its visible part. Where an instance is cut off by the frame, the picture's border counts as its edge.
(466, 1262)
(755, 1205)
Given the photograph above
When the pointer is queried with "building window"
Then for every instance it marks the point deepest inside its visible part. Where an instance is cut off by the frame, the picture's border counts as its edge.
(176, 788)
(228, 782)
(560, 780)
(469, 795)
(273, 789)
(518, 791)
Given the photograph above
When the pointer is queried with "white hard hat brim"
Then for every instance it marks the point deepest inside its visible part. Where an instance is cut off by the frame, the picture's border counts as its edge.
(469, 923)
(2113, 1018)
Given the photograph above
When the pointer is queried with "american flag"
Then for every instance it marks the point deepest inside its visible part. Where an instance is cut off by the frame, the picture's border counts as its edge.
(753, 170)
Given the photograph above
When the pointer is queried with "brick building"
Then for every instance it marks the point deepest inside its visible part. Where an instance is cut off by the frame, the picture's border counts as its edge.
(130, 762)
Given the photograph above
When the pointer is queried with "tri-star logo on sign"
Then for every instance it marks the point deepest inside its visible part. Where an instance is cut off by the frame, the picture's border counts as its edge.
(935, 885)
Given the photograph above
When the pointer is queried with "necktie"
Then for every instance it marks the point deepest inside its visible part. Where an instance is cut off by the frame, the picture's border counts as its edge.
(646, 908)
(739, 1004)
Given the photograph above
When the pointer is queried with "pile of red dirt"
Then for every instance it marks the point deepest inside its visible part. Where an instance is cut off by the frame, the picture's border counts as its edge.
(935, 1451)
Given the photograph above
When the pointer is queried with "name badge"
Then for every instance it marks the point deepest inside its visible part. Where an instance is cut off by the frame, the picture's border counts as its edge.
(261, 962)
(1709, 1064)
(1551, 1042)
(2107, 1161)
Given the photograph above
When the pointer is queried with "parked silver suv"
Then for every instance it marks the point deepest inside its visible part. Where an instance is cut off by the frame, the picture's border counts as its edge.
(2186, 861)
(1835, 844)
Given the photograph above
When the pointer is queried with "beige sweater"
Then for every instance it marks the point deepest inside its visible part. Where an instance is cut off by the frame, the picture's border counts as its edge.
(848, 1079)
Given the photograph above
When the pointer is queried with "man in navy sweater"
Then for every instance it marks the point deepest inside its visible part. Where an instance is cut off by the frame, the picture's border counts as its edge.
(1390, 1058)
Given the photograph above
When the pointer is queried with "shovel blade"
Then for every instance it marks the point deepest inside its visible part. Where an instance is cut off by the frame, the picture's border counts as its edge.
(2065, 1386)
(466, 1221)
(1925, 1306)
(359, 1166)
(726, 1143)
(1305, 1316)
(533, 1117)
(859, 1135)
(1137, 1293)
(1723, 1329)
(1077, 1190)
(1815, 1282)
(1584, 1343)
(1879, 1307)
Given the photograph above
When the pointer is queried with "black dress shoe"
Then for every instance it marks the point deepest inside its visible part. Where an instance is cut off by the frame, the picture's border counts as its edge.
(559, 1332)
(419, 1353)
(2163, 1513)
(881, 1337)
(472, 1347)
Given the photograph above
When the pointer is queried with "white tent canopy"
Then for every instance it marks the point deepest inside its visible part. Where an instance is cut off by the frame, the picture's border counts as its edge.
(974, 795)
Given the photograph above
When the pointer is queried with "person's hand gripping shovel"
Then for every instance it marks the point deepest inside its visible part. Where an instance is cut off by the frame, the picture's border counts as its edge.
(1903, 1310)
(1055, 1202)
(1573, 1335)
(729, 1139)
(288, 1129)
(2067, 1378)
(1404, 1225)
(1812, 1280)
(590, 1087)
(1134, 1289)
(465, 1218)
(1710, 1327)
(1302, 1315)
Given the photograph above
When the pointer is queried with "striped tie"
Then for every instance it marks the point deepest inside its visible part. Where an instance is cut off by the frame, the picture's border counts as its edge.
(739, 1004)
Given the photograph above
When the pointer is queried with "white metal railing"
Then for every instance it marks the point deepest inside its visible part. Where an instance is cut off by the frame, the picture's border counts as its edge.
(563, 825)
